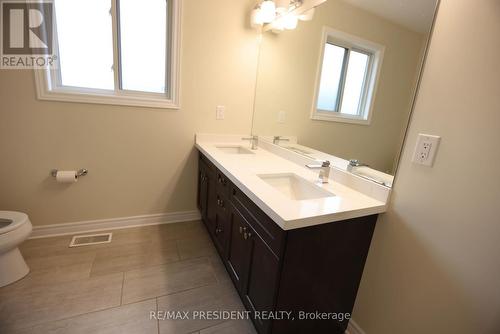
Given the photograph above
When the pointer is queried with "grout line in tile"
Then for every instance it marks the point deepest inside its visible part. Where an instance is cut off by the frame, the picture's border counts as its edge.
(92, 264)
(213, 271)
(157, 320)
(177, 249)
(143, 266)
(147, 266)
(123, 285)
(166, 263)
(81, 314)
(170, 294)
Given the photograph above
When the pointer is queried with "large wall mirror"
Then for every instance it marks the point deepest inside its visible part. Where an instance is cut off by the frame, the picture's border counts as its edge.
(340, 86)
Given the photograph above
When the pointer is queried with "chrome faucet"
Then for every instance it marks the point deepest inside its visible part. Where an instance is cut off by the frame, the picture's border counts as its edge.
(254, 140)
(355, 163)
(324, 170)
(277, 139)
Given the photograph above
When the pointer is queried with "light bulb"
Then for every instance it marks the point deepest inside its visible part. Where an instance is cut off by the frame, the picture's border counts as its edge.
(278, 26)
(268, 11)
(282, 6)
(290, 22)
(256, 18)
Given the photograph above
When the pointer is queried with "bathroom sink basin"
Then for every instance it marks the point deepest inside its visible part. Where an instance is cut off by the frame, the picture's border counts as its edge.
(295, 187)
(234, 150)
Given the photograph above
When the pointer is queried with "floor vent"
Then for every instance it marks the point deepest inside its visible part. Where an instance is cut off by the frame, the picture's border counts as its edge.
(90, 239)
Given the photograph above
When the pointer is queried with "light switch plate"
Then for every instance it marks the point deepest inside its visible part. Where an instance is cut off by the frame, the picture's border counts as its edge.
(281, 116)
(425, 149)
(220, 112)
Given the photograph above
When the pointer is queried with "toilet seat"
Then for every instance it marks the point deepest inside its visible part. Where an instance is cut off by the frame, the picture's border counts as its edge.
(16, 219)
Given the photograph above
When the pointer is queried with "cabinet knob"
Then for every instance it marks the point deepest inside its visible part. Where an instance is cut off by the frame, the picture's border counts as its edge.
(218, 230)
(247, 235)
(220, 202)
(243, 229)
(221, 179)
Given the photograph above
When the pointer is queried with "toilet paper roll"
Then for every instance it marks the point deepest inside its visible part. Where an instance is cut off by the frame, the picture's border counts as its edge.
(66, 176)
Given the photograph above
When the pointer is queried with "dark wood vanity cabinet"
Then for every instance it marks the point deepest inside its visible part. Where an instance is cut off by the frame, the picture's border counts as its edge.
(313, 271)
(253, 267)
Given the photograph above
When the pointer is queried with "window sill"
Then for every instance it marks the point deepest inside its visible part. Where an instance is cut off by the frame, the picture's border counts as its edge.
(112, 99)
(78, 95)
(339, 118)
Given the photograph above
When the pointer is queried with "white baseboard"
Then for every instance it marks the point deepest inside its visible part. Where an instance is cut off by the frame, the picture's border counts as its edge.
(112, 224)
(353, 328)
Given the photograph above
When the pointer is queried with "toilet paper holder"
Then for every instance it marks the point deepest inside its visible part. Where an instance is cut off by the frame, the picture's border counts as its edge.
(80, 172)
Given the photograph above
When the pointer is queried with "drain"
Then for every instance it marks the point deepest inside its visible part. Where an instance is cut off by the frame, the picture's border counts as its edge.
(90, 239)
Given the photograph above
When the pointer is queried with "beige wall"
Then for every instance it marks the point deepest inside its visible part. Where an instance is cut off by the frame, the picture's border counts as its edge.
(287, 77)
(141, 161)
(433, 266)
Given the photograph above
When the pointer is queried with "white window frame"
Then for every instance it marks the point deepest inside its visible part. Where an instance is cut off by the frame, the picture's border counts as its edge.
(48, 81)
(376, 51)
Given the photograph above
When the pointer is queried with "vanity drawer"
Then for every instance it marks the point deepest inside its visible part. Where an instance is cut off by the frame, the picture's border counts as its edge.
(207, 162)
(264, 226)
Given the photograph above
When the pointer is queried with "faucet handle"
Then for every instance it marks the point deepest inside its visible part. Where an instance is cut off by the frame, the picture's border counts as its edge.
(357, 163)
(254, 139)
(354, 162)
(324, 163)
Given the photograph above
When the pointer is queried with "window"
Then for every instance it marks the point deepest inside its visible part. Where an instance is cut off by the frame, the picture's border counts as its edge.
(122, 52)
(347, 77)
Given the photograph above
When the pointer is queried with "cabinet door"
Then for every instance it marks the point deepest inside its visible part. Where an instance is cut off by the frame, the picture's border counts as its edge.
(211, 201)
(207, 195)
(261, 287)
(202, 190)
(222, 225)
(240, 249)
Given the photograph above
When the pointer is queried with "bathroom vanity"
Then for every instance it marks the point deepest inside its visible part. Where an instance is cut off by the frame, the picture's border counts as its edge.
(308, 261)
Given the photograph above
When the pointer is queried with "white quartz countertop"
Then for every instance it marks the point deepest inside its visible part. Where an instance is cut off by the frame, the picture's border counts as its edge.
(244, 170)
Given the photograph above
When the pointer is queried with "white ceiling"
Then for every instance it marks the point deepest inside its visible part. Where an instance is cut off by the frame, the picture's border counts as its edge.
(415, 15)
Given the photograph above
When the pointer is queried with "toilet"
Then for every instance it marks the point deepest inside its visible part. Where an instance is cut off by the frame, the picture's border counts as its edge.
(15, 227)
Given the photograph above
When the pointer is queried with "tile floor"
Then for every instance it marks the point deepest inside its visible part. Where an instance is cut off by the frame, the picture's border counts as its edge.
(112, 288)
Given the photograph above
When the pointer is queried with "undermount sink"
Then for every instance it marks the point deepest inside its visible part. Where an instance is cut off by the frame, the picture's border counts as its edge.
(295, 187)
(234, 150)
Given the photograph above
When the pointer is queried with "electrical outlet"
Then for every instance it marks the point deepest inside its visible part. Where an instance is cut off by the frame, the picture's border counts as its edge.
(219, 112)
(425, 150)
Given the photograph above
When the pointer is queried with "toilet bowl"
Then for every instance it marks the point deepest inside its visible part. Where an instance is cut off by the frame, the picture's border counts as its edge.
(15, 227)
